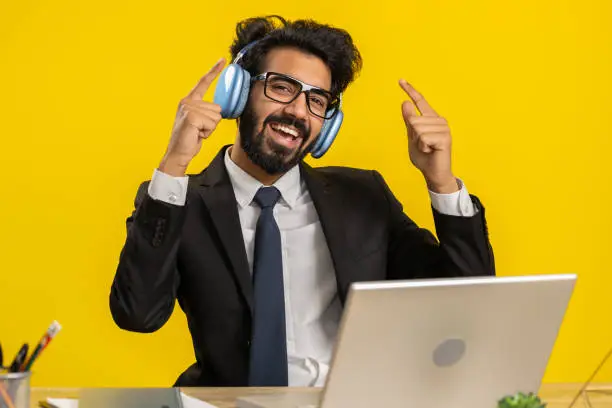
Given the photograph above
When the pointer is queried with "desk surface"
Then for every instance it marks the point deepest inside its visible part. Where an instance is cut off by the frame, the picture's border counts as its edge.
(555, 395)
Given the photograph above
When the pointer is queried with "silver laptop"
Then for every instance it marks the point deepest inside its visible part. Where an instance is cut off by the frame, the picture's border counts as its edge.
(461, 342)
(130, 398)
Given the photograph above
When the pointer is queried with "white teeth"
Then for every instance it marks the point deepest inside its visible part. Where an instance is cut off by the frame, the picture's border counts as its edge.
(291, 131)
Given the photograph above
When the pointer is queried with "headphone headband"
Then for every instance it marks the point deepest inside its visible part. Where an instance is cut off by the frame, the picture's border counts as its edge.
(244, 51)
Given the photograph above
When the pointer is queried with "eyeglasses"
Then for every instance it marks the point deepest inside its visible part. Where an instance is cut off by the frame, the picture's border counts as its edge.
(285, 89)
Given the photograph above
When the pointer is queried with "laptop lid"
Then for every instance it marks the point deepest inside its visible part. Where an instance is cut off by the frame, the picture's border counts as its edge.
(130, 398)
(460, 342)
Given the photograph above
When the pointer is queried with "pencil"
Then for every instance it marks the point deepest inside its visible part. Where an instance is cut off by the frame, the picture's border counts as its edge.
(42, 344)
(7, 398)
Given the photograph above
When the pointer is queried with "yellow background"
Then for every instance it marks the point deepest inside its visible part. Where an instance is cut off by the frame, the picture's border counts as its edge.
(88, 95)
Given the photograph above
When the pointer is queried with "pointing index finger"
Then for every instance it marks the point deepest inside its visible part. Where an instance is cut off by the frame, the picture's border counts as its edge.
(418, 99)
(202, 86)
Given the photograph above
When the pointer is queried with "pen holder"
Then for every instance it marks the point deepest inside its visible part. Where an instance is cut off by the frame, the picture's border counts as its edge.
(15, 390)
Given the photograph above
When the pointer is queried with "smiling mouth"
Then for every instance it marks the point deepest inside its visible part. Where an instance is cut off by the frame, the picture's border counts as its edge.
(286, 131)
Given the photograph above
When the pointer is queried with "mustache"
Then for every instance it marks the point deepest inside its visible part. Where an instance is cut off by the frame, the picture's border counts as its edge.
(289, 121)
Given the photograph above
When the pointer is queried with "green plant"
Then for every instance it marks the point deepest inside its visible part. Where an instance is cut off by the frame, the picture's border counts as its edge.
(521, 400)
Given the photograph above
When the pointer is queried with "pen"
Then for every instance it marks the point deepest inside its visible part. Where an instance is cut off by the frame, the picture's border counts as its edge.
(19, 358)
(44, 341)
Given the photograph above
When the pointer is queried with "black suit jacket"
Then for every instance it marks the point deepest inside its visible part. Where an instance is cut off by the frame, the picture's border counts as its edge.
(195, 253)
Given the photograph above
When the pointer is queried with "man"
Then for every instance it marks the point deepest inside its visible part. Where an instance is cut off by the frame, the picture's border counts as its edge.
(260, 248)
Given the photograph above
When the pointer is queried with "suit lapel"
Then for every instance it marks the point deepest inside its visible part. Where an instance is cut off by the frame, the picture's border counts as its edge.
(218, 194)
(334, 217)
(216, 190)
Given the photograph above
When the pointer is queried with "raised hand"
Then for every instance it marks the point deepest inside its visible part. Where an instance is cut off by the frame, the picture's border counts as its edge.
(429, 141)
(195, 120)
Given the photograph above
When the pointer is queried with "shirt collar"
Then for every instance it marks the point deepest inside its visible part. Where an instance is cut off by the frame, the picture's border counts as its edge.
(246, 186)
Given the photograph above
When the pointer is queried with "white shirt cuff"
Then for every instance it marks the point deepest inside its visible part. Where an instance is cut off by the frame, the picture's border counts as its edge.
(169, 189)
(458, 203)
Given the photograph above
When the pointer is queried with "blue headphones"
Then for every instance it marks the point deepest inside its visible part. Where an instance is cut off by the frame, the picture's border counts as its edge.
(232, 92)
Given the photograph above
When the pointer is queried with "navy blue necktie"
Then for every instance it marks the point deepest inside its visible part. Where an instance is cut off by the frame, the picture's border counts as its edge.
(268, 363)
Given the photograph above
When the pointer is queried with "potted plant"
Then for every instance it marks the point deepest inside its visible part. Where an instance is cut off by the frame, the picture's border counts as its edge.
(521, 400)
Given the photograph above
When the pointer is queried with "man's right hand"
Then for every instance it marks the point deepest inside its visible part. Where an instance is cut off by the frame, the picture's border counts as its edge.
(195, 120)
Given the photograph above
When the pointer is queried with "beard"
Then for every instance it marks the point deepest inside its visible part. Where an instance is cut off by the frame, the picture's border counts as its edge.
(272, 157)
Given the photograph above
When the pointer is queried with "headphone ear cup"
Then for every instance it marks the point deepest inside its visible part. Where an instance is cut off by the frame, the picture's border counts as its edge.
(328, 134)
(232, 91)
(243, 94)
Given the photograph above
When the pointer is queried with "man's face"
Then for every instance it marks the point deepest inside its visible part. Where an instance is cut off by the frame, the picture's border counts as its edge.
(274, 135)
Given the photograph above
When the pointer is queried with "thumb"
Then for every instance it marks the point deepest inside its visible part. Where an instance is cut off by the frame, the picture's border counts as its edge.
(424, 147)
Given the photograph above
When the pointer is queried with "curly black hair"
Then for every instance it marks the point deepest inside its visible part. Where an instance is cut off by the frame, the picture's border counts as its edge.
(333, 45)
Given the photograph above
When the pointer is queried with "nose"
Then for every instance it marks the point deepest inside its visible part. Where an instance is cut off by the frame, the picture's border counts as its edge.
(298, 108)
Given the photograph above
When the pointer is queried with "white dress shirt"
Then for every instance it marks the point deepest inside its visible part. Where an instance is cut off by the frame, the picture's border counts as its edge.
(312, 306)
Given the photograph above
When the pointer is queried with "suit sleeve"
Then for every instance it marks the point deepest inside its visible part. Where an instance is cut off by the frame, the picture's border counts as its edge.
(144, 288)
(463, 248)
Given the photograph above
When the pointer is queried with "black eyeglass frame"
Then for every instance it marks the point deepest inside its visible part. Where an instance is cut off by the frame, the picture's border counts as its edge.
(334, 104)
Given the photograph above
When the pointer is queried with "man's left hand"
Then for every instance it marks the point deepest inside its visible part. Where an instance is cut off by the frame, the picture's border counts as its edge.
(429, 142)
